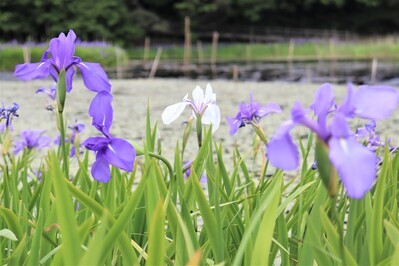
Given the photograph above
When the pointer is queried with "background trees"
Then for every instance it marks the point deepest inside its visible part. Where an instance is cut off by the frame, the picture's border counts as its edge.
(128, 21)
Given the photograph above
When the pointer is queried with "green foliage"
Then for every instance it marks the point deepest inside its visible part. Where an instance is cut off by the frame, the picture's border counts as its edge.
(155, 215)
(12, 55)
(383, 48)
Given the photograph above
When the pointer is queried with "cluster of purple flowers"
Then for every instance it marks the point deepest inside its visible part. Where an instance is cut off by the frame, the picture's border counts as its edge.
(60, 58)
(355, 164)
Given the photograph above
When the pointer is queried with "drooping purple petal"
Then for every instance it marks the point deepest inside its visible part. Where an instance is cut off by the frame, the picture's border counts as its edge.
(281, 150)
(94, 77)
(234, 123)
(356, 165)
(100, 169)
(101, 111)
(121, 154)
(375, 102)
(68, 78)
(29, 71)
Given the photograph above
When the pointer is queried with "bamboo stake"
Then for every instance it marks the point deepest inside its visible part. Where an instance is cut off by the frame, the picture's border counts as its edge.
(374, 65)
(200, 52)
(146, 50)
(215, 38)
(155, 63)
(26, 54)
(235, 73)
(187, 43)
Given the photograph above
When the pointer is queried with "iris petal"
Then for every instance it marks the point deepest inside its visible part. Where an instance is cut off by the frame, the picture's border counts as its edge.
(31, 71)
(324, 100)
(270, 108)
(375, 102)
(281, 150)
(356, 165)
(198, 98)
(172, 112)
(94, 76)
(101, 111)
(121, 154)
(100, 169)
(212, 116)
(234, 124)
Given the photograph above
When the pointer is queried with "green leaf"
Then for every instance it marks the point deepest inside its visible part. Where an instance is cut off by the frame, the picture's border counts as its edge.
(393, 234)
(264, 236)
(156, 238)
(34, 254)
(12, 222)
(210, 223)
(65, 213)
(259, 218)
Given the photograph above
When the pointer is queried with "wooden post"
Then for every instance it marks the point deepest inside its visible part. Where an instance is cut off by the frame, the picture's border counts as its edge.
(374, 65)
(146, 50)
(200, 52)
(215, 38)
(332, 58)
(187, 43)
(235, 72)
(155, 63)
(290, 57)
(26, 54)
(291, 49)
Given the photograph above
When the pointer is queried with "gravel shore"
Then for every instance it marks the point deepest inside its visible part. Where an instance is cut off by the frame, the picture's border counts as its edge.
(130, 104)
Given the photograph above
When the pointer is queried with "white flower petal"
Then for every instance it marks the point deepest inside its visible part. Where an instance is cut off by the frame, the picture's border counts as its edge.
(211, 116)
(209, 95)
(172, 112)
(198, 97)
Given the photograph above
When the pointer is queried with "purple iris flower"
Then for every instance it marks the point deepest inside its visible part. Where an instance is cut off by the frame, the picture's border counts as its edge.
(187, 165)
(50, 93)
(8, 113)
(32, 139)
(250, 113)
(60, 56)
(355, 164)
(110, 150)
(76, 129)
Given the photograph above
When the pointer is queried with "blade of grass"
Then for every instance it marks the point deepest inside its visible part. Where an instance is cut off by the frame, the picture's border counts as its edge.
(156, 238)
(65, 213)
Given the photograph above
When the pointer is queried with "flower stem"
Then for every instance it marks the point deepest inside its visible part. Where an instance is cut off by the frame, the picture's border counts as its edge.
(339, 228)
(61, 96)
(61, 128)
(199, 130)
(259, 132)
